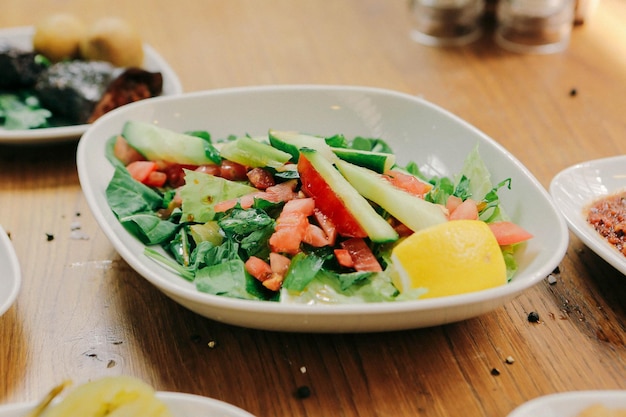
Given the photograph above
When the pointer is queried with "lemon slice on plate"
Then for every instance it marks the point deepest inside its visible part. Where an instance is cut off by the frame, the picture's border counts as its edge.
(119, 396)
(455, 257)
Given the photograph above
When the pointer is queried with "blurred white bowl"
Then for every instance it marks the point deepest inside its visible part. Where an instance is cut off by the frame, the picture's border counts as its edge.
(10, 273)
(181, 405)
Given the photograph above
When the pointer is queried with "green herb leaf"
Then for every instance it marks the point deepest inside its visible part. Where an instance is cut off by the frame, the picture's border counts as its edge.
(227, 279)
(21, 112)
(301, 271)
(127, 196)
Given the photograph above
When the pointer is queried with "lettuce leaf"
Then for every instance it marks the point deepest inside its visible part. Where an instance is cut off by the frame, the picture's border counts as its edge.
(331, 288)
(202, 191)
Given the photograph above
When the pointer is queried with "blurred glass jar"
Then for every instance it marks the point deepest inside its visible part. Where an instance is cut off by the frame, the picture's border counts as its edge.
(534, 26)
(446, 22)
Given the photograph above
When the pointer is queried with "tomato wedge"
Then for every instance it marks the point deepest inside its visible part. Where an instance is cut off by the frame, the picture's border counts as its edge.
(124, 152)
(408, 182)
(344, 258)
(258, 268)
(260, 178)
(275, 194)
(362, 256)
(142, 170)
(467, 210)
(509, 233)
(156, 179)
(327, 201)
(292, 225)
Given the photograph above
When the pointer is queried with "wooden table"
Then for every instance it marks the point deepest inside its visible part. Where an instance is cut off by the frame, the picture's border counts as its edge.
(83, 313)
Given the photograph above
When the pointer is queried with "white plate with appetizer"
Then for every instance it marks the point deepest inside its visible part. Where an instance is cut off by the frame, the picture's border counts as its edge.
(576, 188)
(416, 130)
(10, 274)
(575, 404)
(22, 38)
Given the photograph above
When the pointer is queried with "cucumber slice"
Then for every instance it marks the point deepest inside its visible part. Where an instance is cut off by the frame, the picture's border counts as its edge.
(252, 153)
(293, 142)
(376, 161)
(377, 228)
(159, 144)
(411, 210)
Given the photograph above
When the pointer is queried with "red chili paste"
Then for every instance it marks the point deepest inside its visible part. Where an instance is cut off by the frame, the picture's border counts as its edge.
(608, 217)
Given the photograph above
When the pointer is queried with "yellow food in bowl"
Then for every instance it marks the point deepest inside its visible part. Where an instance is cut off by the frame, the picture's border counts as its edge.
(57, 37)
(455, 257)
(114, 40)
(599, 410)
(119, 396)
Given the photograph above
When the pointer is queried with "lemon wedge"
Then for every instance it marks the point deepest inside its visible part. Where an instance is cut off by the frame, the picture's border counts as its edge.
(455, 257)
(118, 396)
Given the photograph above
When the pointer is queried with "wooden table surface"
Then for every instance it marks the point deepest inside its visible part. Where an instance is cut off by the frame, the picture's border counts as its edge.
(84, 313)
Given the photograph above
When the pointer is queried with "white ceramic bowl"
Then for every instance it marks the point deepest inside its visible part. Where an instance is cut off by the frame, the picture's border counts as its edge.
(10, 273)
(417, 130)
(181, 405)
(576, 187)
(570, 404)
(22, 37)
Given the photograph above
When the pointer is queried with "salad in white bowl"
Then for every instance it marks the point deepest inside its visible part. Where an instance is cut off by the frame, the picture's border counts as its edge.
(431, 147)
(291, 217)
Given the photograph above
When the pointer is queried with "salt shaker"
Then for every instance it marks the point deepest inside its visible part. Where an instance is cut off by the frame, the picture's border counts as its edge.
(534, 26)
(446, 22)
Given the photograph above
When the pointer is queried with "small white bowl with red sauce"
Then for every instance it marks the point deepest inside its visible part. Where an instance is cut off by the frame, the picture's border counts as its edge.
(576, 188)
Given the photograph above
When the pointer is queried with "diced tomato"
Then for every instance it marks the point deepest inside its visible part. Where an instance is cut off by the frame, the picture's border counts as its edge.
(258, 268)
(140, 170)
(174, 172)
(156, 179)
(467, 210)
(212, 169)
(291, 226)
(233, 171)
(327, 201)
(260, 178)
(271, 275)
(245, 202)
(274, 282)
(408, 182)
(453, 202)
(344, 258)
(124, 152)
(283, 191)
(403, 230)
(315, 236)
(361, 254)
(305, 206)
(327, 226)
(509, 233)
(279, 263)
(275, 194)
